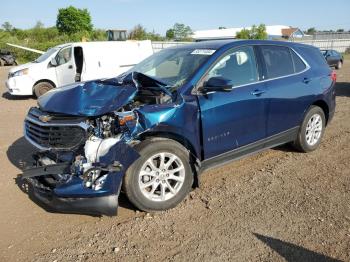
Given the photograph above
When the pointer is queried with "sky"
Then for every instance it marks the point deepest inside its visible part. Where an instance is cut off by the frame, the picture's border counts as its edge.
(160, 15)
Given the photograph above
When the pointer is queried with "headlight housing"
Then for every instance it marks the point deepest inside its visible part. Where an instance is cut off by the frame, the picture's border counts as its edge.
(19, 73)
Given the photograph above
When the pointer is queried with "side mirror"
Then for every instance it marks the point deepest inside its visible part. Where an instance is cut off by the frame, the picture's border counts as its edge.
(53, 61)
(217, 84)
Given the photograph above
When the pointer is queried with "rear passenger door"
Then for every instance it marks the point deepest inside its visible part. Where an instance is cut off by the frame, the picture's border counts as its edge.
(288, 82)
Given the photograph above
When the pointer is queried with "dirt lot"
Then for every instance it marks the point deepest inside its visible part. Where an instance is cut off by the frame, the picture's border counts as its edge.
(279, 205)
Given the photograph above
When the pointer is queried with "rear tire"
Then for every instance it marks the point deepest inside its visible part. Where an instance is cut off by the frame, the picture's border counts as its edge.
(339, 65)
(41, 88)
(311, 131)
(150, 184)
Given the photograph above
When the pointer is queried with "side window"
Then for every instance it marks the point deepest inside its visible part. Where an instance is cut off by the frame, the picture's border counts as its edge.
(64, 55)
(278, 61)
(238, 66)
(298, 63)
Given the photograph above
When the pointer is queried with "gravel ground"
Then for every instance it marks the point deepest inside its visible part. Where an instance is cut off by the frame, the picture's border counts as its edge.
(279, 205)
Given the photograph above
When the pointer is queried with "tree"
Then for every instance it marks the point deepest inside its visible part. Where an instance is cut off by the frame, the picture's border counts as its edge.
(256, 32)
(311, 31)
(7, 26)
(170, 34)
(72, 20)
(340, 30)
(182, 32)
(39, 25)
(138, 33)
(243, 34)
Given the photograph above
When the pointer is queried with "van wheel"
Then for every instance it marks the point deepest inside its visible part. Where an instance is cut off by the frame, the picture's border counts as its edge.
(41, 88)
(339, 65)
(161, 178)
(311, 130)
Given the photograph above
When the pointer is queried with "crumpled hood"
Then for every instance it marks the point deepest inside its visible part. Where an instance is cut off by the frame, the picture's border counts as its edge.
(92, 98)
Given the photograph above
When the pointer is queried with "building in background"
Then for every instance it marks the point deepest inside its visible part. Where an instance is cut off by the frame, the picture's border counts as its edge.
(273, 32)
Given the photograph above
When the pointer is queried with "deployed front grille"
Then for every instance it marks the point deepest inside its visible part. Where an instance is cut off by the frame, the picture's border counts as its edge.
(57, 132)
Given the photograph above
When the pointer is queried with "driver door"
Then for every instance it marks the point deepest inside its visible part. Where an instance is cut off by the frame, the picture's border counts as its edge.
(237, 118)
(65, 68)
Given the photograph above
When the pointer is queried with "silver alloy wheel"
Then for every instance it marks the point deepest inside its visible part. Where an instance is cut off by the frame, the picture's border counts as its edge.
(313, 129)
(161, 176)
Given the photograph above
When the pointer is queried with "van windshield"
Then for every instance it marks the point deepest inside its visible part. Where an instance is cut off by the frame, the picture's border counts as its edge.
(46, 55)
(173, 67)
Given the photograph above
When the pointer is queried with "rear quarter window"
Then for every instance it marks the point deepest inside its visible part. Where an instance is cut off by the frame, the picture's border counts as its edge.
(278, 61)
(313, 56)
(299, 65)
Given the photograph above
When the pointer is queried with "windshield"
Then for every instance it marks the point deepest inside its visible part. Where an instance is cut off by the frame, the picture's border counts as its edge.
(46, 55)
(173, 67)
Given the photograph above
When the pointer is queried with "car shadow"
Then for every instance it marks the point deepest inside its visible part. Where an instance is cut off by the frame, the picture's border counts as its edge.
(286, 148)
(20, 155)
(291, 252)
(8, 96)
(342, 89)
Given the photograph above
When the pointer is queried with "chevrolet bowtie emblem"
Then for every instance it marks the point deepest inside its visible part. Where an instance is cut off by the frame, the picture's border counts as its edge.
(45, 118)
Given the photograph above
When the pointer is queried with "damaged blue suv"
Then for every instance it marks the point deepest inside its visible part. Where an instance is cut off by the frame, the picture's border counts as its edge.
(151, 131)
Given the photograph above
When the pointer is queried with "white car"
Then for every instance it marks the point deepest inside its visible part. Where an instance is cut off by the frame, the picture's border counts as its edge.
(76, 62)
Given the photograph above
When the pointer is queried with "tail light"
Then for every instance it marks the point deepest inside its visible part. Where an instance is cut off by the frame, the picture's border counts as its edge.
(334, 76)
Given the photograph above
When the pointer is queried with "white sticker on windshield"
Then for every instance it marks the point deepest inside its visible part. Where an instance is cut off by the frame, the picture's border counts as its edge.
(203, 52)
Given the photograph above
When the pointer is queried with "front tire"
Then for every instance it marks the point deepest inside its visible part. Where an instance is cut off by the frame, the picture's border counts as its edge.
(41, 88)
(311, 131)
(161, 178)
(339, 65)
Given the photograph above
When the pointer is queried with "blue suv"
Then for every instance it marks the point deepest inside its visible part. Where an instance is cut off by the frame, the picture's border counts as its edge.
(151, 131)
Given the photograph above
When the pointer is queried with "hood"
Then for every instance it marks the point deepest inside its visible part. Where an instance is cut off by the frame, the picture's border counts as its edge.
(20, 67)
(92, 98)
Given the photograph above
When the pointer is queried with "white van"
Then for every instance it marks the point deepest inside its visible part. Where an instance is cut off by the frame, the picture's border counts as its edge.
(76, 62)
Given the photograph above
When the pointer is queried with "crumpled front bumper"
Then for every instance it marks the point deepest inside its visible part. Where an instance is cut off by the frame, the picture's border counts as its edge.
(72, 196)
(103, 205)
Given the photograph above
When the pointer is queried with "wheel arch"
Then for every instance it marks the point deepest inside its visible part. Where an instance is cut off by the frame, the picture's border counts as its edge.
(169, 135)
(44, 80)
(324, 106)
(194, 158)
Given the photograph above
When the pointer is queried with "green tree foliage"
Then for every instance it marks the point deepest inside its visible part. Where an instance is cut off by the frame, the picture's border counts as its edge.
(72, 20)
(140, 33)
(243, 34)
(311, 31)
(7, 26)
(182, 32)
(42, 39)
(256, 32)
(170, 34)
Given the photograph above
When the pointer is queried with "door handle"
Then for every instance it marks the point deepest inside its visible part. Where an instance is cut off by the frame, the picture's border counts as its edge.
(70, 67)
(306, 80)
(257, 92)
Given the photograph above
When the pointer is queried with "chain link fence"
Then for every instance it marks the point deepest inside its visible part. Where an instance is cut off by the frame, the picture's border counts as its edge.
(339, 41)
